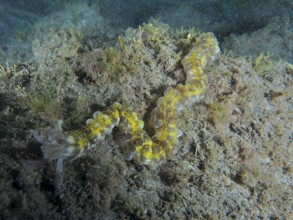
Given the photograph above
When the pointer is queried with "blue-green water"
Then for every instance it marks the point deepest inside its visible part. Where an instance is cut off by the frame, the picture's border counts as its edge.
(19, 18)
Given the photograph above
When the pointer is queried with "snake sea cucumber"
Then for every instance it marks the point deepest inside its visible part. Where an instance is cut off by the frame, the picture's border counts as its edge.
(138, 146)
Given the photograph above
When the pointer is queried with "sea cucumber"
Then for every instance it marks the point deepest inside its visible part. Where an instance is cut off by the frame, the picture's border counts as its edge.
(138, 146)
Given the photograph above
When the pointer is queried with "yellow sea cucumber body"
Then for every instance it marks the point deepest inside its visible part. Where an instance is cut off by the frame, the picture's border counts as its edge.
(138, 145)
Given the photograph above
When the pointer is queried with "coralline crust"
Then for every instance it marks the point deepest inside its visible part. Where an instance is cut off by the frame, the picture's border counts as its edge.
(138, 145)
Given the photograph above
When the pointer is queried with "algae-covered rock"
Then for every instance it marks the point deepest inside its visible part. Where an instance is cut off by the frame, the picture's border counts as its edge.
(235, 155)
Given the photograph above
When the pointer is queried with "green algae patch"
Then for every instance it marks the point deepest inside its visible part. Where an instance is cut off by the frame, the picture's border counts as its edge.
(264, 64)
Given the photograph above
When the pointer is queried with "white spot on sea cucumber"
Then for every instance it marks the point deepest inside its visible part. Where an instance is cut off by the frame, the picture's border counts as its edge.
(96, 114)
(89, 121)
(70, 139)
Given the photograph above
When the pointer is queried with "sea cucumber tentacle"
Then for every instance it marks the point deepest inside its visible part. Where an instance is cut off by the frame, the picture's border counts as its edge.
(138, 145)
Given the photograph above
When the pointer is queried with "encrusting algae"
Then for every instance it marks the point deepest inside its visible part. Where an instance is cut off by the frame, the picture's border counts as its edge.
(138, 145)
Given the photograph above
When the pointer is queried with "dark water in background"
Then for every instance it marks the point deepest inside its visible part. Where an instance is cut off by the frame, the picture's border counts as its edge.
(224, 17)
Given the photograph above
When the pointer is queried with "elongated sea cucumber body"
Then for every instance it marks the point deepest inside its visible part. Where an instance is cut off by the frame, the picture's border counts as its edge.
(138, 145)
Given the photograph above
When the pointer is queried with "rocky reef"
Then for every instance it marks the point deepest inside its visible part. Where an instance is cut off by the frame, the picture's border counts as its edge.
(233, 158)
